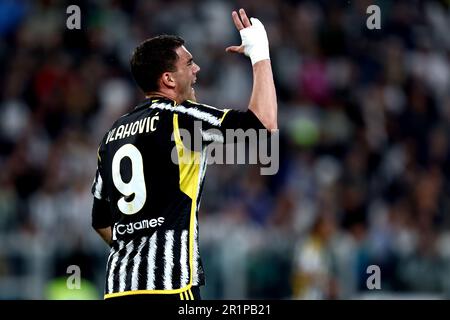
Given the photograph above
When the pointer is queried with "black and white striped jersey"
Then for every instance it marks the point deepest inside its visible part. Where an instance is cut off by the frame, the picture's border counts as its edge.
(150, 176)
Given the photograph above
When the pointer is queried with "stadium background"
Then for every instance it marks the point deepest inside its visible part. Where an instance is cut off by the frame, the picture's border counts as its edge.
(364, 156)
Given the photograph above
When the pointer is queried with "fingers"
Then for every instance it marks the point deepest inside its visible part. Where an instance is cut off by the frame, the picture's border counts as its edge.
(245, 23)
(244, 18)
(241, 21)
(237, 21)
(235, 49)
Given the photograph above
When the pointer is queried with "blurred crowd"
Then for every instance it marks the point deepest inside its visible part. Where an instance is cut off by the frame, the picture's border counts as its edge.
(364, 119)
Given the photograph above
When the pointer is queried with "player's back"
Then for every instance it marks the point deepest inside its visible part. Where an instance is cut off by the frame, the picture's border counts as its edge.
(152, 179)
(141, 179)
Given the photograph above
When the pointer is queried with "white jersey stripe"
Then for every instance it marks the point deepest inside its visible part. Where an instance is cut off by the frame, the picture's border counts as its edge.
(192, 111)
(123, 267)
(168, 260)
(207, 106)
(113, 266)
(196, 253)
(210, 136)
(98, 187)
(151, 262)
(184, 277)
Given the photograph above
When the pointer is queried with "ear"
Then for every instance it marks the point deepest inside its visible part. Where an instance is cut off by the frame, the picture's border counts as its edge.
(168, 80)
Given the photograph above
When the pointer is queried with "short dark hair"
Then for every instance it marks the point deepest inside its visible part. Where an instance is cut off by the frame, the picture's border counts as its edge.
(152, 58)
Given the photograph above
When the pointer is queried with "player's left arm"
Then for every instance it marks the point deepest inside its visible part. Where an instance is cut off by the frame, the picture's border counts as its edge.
(101, 219)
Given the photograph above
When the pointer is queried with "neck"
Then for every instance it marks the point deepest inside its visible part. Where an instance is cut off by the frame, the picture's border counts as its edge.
(159, 94)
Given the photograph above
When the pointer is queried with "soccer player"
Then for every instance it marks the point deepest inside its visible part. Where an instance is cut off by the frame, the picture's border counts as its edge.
(148, 183)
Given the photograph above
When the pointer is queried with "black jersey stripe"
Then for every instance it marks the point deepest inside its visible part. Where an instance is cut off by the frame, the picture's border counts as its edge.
(135, 276)
(112, 274)
(159, 261)
(176, 283)
(143, 265)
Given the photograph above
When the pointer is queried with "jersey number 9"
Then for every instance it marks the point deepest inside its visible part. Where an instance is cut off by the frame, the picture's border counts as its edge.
(135, 186)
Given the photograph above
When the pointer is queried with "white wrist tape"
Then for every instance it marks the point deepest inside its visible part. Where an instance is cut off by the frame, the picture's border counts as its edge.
(255, 42)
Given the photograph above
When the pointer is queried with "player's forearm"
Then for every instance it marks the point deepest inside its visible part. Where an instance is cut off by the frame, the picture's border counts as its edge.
(106, 234)
(263, 101)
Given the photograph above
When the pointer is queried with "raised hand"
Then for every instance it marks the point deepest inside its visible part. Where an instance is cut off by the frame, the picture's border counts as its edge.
(253, 35)
(245, 23)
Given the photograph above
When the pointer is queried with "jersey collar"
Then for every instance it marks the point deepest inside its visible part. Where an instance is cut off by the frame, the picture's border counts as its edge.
(149, 101)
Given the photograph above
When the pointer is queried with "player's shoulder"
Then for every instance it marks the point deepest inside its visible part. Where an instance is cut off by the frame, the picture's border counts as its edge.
(203, 111)
(201, 106)
(186, 107)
